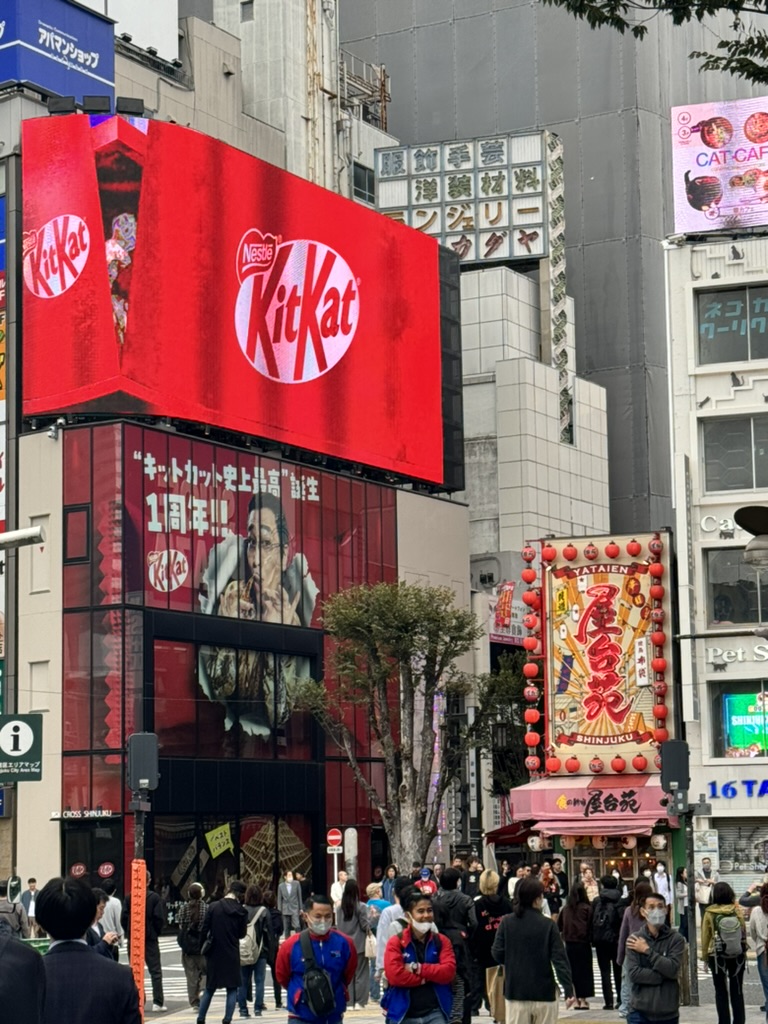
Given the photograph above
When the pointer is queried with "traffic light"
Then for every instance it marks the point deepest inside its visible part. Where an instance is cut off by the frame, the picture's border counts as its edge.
(143, 768)
(675, 766)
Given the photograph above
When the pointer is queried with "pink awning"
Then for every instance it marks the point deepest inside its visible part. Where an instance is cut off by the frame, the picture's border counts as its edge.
(611, 805)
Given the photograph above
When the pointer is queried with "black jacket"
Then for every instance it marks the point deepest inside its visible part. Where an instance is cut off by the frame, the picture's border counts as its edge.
(653, 975)
(85, 988)
(226, 921)
(154, 917)
(22, 981)
(529, 947)
(606, 917)
(489, 911)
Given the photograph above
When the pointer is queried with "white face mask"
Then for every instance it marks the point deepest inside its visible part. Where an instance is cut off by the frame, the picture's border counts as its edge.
(422, 927)
(321, 927)
(660, 869)
(647, 873)
(656, 917)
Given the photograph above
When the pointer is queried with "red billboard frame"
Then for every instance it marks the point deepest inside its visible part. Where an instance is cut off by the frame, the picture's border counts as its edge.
(168, 274)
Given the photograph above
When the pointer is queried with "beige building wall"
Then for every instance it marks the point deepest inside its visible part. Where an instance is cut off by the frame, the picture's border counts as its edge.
(38, 850)
(433, 543)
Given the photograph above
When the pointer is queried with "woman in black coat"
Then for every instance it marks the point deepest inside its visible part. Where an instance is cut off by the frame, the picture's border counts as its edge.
(575, 923)
(489, 910)
(225, 924)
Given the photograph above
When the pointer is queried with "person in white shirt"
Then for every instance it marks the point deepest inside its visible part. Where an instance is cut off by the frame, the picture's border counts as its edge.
(110, 919)
(337, 889)
(662, 883)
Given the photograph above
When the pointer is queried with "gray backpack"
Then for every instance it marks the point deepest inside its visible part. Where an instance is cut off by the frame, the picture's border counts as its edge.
(729, 939)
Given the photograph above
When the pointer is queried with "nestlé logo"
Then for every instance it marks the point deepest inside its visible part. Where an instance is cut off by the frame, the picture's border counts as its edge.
(297, 308)
(54, 255)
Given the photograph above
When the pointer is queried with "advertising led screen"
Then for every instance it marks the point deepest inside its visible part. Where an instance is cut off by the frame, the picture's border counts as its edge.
(745, 732)
(720, 165)
(168, 274)
(57, 46)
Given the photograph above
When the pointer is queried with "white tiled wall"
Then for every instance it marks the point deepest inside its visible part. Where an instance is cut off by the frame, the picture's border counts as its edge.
(522, 482)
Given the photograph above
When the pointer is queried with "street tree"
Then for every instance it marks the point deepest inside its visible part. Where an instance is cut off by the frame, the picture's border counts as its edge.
(396, 654)
(743, 53)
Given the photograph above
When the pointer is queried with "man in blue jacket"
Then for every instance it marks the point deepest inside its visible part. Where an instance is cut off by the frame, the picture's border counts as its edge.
(333, 952)
(419, 966)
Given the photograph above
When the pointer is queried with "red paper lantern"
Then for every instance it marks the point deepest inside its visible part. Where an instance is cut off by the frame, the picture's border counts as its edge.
(634, 548)
(530, 643)
(657, 760)
(531, 621)
(656, 569)
(658, 638)
(618, 764)
(612, 549)
(528, 553)
(660, 711)
(660, 688)
(531, 716)
(572, 764)
(531, 598)
(532, 739)
(531, 694)
(569, 552)
(528, 575)
(532, 763)
(596, 765)
(549, 553)
(658, 615)
(639, 763)
(657, 591)
(530, 670)
(655, 546)
(552, 764)
(591, 552)
(660, 735)
(659, 664)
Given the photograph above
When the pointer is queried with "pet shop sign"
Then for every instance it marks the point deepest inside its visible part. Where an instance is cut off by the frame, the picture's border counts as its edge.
(722, 656)
(720, 165)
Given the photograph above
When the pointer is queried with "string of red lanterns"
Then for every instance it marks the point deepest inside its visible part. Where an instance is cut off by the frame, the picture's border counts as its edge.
(534, 663)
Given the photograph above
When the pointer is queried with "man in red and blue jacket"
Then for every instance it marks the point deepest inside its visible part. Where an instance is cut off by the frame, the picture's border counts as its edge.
(420, 966)
(334, 953)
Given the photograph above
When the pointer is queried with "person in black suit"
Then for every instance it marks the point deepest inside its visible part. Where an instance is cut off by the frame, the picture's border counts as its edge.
(22, 980)
(81, 986)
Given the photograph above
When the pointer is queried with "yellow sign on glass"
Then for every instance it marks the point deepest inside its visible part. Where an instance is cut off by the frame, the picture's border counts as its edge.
(219, 840)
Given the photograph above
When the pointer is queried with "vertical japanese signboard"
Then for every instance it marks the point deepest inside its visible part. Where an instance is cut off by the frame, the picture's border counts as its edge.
(3, 325)
(605, 618)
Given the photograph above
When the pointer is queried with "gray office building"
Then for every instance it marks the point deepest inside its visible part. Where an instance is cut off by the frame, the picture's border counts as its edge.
(466, 68)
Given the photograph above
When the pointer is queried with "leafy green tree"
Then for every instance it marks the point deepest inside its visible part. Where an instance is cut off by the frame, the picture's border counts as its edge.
(397, 654)
(744, 53)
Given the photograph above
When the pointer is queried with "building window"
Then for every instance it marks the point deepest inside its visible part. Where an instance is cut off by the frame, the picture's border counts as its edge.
(736, 453)
(364, 183)
(733, 324)
(733, 594)
(246, 10)
(739, 718)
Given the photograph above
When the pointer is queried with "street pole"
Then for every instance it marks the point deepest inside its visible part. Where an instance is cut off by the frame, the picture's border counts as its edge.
(140, 805)
(693, 960)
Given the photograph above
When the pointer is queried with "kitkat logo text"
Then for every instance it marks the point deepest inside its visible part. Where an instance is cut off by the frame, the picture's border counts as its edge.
(55, 254)
(297, 308)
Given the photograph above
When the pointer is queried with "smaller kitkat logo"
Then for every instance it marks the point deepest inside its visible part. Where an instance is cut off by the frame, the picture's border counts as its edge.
(167, 570)
(256, 253)
(54, 255)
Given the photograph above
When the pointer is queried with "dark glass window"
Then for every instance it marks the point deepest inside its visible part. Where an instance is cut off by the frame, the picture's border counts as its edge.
(364, 183)
(733, 594)
(736, 453)
(733, 324)
(739, 718)
(77, 534)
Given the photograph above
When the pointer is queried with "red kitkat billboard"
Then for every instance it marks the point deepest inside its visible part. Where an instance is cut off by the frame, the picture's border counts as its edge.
(168, 274)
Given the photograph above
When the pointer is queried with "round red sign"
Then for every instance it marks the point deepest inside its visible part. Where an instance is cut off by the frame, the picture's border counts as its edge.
(106, 870)
(78, 870)
(334, 837)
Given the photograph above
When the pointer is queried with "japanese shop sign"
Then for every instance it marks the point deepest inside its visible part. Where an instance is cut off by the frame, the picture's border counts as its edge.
(487, 199)
(506, 609)
(269, 315)
(57, 46)
(598, 801)
(21, 748)
(605, 684)
(720, 165)
(219, 840)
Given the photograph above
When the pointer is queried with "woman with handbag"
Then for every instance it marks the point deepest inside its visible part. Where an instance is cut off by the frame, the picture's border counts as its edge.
(490, 908)
(191, 917)
(352, 920)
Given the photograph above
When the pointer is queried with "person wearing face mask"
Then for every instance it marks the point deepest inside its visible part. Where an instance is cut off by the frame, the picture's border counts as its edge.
(333, 952)
(662, 883)
(653, 959)
(419, 966)
(529, 946)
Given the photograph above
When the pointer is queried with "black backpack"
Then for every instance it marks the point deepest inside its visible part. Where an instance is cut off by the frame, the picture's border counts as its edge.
(318, 987)
(605, 922)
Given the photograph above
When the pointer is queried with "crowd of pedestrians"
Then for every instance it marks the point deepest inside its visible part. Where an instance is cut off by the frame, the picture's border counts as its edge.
(431, 946)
